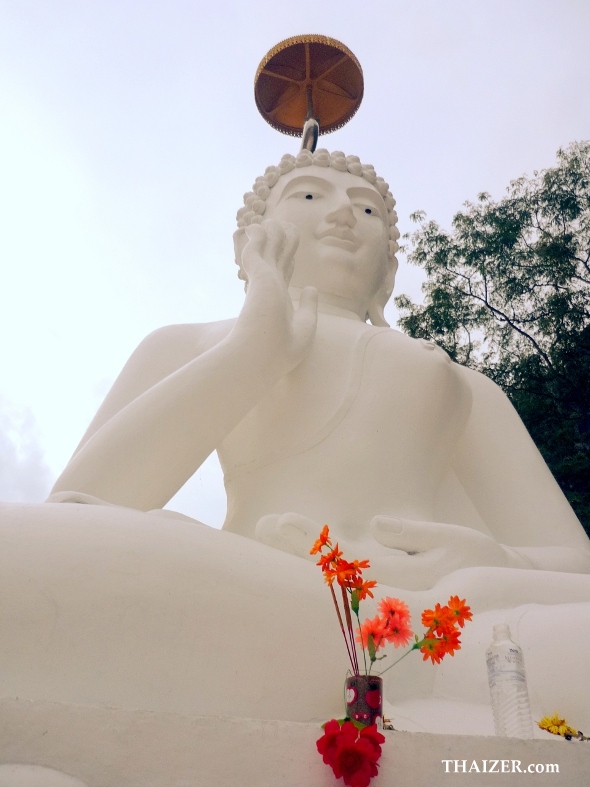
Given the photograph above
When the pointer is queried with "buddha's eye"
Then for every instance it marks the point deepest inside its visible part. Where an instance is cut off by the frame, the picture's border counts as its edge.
(310, 195)
(370, 211)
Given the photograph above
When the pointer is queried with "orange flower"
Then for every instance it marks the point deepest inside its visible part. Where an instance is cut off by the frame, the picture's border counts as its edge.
(438, 619)
(460, 612)
(329, 557)
(344, 572)
(322, 541)
(371, 627)
(451, 641)
(338, 569)
(433, 648)
(328, 564)
(363, 589)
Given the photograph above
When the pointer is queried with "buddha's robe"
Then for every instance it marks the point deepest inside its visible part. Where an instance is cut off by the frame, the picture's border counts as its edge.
(107, 605)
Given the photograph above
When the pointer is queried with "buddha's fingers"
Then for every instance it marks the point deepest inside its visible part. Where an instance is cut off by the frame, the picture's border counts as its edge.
(417, 537)
(252, 255)
(420, 571)
(286, 260)
(305, 319)
(275, 240)
(408, 535)
(288, 532)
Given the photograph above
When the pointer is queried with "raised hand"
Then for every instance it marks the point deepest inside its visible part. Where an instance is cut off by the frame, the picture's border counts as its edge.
(268, 318)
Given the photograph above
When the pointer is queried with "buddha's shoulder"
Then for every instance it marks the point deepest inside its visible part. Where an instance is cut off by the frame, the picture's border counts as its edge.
(422, 351)
(169, 348)
(186, 338)
(395, 343)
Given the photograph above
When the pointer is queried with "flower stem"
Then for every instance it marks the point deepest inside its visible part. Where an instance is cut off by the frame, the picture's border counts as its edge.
(342, 627)
(350, 631)
(415, 646)
(362, 644)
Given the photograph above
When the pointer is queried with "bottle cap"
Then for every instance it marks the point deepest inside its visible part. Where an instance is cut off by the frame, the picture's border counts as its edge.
(501, 632)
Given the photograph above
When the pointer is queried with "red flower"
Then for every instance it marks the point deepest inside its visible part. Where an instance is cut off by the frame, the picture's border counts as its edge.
(352, 754)
(375, 738)
(328, 742)
(460, 612)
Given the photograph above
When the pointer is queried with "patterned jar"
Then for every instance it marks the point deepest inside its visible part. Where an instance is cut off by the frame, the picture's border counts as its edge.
(364, 699)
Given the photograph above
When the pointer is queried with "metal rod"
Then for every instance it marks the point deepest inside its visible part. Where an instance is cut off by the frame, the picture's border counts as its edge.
(311, 127)
(311, 132)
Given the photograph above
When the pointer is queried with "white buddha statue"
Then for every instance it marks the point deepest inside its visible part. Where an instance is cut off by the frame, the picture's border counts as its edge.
(419, 464)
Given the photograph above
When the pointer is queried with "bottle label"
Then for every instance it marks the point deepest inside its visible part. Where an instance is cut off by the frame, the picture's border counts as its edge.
(506, 666)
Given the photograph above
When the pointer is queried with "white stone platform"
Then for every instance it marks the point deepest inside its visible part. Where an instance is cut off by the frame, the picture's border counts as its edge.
(107, 747)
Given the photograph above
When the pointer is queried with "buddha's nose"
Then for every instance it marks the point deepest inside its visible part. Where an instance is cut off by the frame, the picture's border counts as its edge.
(342, 215)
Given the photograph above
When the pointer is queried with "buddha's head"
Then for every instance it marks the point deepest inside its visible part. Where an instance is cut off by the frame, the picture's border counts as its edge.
(346, 221)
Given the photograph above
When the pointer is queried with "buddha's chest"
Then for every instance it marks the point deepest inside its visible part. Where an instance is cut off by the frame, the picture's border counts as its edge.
(360, 387)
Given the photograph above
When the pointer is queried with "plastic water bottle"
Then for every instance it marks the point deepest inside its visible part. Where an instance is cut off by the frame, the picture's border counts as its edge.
(508, 689)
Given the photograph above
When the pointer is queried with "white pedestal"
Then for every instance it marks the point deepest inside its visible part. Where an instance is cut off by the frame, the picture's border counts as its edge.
(108, 747)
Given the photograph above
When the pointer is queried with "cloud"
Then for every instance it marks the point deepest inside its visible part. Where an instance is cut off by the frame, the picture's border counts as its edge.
(24, 475)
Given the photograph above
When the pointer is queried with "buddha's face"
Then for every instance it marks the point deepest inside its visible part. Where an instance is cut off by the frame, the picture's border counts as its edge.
(343, 228)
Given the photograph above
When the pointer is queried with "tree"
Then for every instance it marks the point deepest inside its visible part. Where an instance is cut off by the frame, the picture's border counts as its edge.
(508, 294)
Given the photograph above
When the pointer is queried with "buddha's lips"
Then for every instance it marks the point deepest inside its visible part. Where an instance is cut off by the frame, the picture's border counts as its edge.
(340, 233)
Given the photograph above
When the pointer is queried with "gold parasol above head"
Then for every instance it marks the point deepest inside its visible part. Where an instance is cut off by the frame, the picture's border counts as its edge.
(308, 77)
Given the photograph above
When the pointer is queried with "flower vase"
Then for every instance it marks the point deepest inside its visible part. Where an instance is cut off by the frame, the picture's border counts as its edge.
(364, 699)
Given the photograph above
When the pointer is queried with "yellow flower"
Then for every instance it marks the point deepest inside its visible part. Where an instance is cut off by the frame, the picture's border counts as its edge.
(556, 725)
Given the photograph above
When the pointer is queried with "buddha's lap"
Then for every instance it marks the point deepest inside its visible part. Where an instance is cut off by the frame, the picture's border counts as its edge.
(114, 605)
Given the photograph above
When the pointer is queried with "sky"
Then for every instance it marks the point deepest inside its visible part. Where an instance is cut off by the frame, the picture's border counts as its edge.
(129, 133)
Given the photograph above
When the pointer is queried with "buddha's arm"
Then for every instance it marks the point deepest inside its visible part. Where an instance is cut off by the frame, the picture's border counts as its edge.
(511, 487)
(141, 454)
(163, 352)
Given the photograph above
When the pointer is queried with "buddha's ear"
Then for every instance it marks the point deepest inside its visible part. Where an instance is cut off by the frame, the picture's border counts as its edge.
(240, 240)
(383, 294)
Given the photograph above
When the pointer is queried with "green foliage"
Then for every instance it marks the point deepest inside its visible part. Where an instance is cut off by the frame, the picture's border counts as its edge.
(508, 294)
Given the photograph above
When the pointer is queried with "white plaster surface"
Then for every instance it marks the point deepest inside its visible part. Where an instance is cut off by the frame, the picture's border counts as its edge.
(18, 775)
(415, 463)
(108, 747)
(115, 607)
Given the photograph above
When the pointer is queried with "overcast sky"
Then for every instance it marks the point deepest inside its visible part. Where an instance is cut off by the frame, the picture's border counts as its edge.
(128, 134)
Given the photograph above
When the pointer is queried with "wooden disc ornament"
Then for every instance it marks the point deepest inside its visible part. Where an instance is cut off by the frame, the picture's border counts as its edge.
(308, 77)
